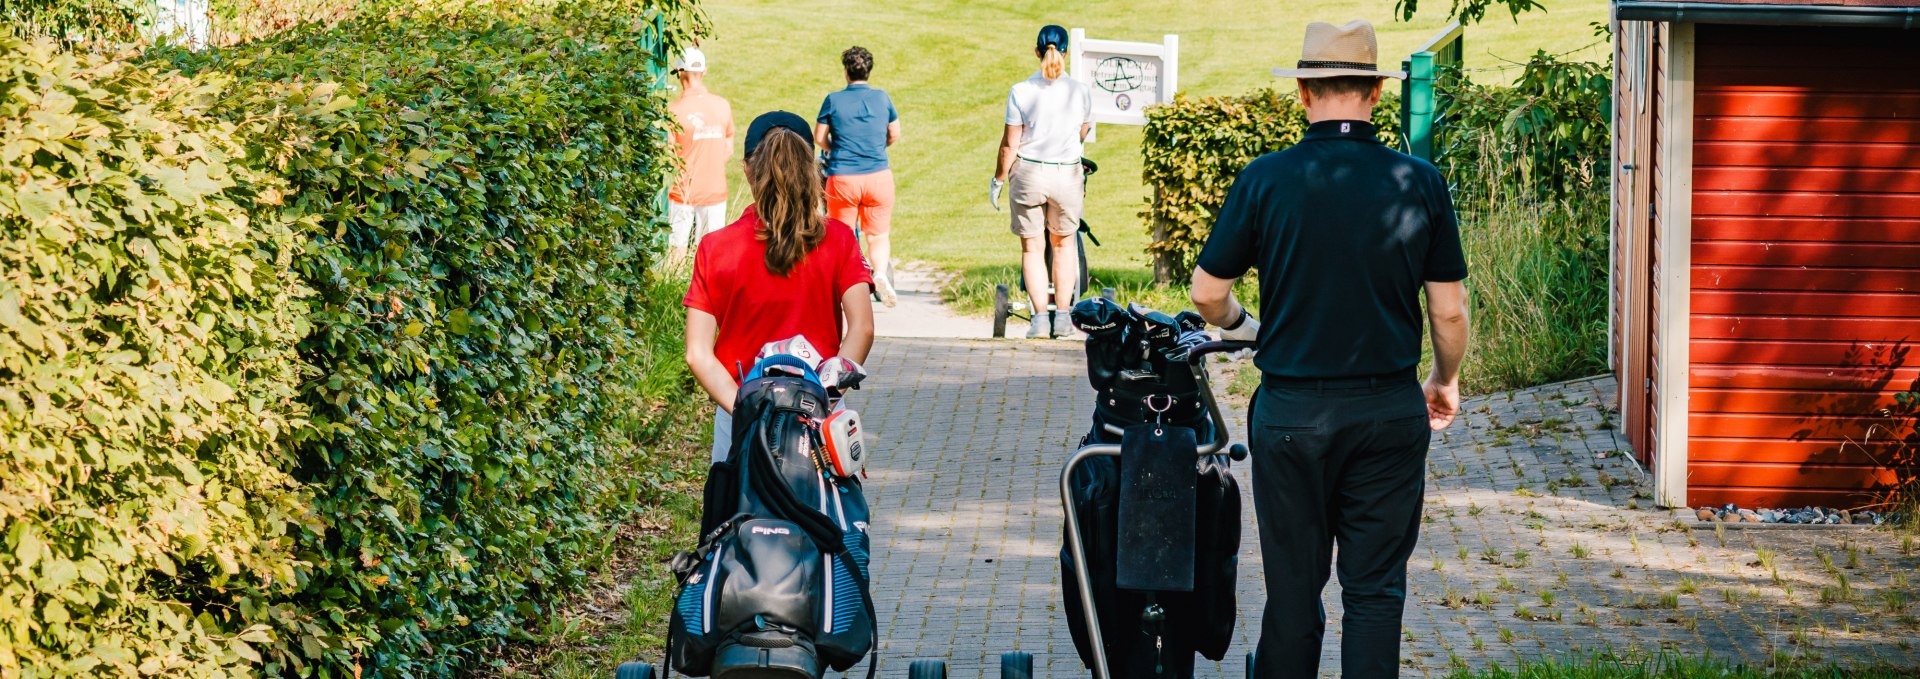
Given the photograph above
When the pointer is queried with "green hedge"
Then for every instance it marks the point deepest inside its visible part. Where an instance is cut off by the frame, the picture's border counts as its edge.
(148, 317)
(1194, 147)
(413, 250)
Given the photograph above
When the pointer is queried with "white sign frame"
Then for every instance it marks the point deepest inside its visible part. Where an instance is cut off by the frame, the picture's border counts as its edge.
(1167, 51)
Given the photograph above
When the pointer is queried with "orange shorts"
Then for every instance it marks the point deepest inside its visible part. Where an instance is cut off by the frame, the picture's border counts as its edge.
(865, 200)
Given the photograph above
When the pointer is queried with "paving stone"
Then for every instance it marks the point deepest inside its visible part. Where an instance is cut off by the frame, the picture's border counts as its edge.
(969, 438)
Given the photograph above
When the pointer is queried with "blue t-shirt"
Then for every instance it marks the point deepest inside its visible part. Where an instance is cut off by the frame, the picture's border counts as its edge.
(858, 117)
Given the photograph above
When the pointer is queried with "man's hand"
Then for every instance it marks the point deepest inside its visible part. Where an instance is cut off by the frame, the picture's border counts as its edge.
(1248, 329)
(1443, 402)
(993, 192)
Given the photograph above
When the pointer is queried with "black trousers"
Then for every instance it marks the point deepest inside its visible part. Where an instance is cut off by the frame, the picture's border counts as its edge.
(1340, 461)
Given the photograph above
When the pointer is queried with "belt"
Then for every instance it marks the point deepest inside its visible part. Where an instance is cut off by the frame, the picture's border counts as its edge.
(1047, 162)
(1395, 378)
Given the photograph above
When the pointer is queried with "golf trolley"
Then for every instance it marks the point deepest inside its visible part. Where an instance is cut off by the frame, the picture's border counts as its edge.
(778, 586)
(1152, 509)
(1006, 303)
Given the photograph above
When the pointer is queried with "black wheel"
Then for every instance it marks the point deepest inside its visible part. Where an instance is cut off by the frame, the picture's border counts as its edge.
(633, 670)
(1249, 664)
(1001, 307)
(927, 669)
(1016, 665)
(1111, 294)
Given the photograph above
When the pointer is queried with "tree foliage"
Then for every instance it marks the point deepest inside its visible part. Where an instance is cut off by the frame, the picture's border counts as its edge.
(1470, 11)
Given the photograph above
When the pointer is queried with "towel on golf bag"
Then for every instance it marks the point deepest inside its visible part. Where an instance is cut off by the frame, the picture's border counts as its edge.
(783, 557)
(1200, 621)
(1136, 360)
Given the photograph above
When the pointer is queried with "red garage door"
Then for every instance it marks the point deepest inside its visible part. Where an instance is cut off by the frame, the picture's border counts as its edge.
(1806, 262)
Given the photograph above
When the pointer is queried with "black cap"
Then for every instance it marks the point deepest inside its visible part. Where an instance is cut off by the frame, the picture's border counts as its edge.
(772, 119)
(1051, 34)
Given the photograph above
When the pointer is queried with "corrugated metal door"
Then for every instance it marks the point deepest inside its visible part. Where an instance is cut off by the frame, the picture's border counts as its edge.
(1806, 261)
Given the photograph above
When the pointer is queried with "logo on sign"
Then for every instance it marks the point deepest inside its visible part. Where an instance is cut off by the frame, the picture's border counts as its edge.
(1122, 102)
(1118, 74)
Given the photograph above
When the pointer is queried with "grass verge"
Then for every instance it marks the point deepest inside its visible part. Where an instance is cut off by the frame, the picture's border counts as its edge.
(623, 614)
(1673, 666)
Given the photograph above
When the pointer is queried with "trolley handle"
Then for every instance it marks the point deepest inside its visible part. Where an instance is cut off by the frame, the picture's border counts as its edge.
(1220, 437)
(1196, 358)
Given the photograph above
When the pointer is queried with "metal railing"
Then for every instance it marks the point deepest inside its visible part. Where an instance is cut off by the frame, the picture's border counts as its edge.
(1423, 108)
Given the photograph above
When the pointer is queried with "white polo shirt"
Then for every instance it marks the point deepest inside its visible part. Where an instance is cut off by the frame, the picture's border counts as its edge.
(1051, 112)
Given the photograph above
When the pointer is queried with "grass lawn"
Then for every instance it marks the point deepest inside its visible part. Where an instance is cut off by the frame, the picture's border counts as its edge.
(948, 64)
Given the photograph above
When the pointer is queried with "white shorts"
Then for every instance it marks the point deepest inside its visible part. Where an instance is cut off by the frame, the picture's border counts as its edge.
(688, 220)
(1046, 198)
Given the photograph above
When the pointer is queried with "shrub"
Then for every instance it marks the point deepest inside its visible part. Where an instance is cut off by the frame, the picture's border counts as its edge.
(1528, 168)
(483, 185)
(1548, 136)
(148, 316)
(1193, 148)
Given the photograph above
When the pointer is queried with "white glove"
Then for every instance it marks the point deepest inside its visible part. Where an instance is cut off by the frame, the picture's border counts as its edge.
(993, 192)
(1248, 329)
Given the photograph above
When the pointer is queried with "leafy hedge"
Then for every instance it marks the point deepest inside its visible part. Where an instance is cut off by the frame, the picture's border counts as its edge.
(1194, 147)
(147, 375)
(329, 359)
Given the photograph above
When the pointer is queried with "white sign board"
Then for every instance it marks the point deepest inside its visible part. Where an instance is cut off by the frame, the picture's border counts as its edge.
(1125, 77)
(183, 21)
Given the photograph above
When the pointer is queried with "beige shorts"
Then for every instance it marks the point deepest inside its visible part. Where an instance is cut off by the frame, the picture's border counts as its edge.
(1046, 197)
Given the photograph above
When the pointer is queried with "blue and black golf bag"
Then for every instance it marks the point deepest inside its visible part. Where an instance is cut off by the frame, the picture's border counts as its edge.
(778, 587)
(1137, 362)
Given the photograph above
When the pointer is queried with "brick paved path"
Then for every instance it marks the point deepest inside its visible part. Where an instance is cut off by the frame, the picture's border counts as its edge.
(1534, 541)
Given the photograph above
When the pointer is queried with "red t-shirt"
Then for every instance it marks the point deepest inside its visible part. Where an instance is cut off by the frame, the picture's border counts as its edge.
(754, 307)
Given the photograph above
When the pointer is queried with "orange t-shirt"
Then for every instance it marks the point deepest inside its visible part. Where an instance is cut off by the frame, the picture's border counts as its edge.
(704, 142)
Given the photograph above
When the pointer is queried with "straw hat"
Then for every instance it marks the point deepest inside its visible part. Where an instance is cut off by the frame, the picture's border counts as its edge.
(1332, 51)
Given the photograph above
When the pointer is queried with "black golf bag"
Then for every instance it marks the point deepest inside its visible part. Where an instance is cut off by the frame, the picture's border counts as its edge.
(779, 584)
(1136, 360)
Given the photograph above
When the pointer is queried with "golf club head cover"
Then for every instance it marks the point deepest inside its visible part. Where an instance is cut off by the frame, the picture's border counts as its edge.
(1162, 330)
(1106, 324)
(1191, 320)
(1099, 317)
(841, 375)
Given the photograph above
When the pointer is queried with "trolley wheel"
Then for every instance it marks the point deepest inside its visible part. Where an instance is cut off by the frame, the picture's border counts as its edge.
(1016, 665)
(1002, 306)
(927, 669)
(633, 670)
(1111, 294)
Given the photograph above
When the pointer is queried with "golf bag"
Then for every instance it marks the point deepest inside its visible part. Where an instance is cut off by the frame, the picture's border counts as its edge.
(779, 584)
(1136, 360)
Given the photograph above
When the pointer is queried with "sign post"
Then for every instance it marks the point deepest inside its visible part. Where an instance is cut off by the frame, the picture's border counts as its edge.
(1125, 77)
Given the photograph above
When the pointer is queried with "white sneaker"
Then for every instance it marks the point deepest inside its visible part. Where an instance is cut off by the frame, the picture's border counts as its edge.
(1038, 329)
(885, 288)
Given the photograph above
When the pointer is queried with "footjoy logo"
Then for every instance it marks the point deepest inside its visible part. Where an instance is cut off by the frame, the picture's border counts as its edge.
(764, 530)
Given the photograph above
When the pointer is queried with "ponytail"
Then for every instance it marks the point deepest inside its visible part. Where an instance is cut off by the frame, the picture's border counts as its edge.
(786, 192)
(1052, 64)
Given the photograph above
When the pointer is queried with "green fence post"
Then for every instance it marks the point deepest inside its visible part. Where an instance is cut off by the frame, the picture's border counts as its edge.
(1420, 105)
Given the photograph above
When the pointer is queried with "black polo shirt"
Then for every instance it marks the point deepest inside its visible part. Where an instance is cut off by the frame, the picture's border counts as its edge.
(1343, 230)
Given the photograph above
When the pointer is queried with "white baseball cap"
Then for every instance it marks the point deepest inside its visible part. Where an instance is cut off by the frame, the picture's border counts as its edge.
(691, 61)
